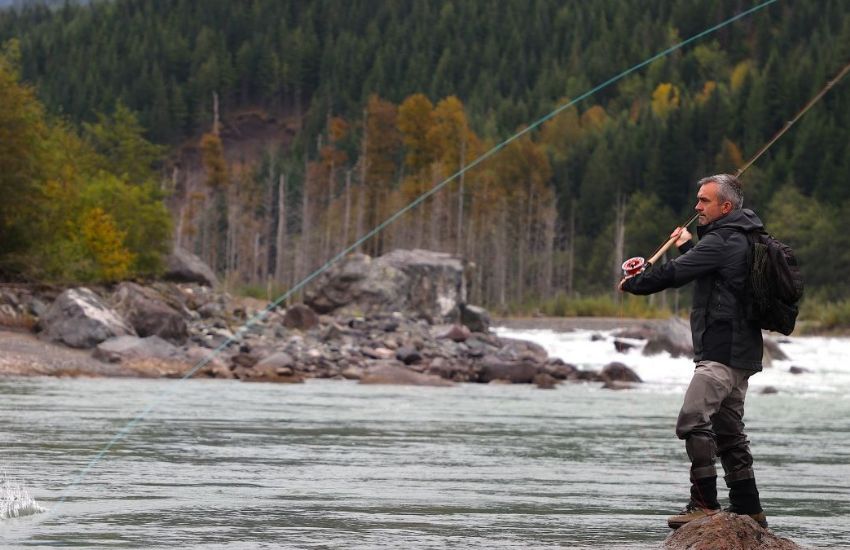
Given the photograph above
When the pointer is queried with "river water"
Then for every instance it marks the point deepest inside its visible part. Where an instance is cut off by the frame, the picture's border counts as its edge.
(332, 464)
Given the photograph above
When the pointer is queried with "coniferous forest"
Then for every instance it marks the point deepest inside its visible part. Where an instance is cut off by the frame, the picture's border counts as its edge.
(268, 135)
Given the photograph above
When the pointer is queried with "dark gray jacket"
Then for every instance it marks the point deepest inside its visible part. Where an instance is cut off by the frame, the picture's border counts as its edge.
(718, 264)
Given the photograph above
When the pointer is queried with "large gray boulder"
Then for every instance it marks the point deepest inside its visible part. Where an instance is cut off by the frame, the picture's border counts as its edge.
(184, 267)
(429, 284)
(149, 314)
(672, 336)
(80, 319)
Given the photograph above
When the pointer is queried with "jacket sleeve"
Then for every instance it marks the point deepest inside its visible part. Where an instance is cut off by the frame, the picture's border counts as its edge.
(700, 260)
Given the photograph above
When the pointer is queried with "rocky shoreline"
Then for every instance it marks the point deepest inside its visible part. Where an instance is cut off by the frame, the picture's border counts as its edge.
(397, 319)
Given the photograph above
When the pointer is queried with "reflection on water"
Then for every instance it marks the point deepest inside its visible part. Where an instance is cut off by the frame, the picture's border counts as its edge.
(334, 464)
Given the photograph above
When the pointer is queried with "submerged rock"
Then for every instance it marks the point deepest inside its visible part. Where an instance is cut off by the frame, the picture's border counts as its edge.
(618, 372)
(725, 531)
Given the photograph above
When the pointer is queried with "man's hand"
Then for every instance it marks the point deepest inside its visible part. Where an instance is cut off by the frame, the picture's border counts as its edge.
(681, 235)
(626, 278)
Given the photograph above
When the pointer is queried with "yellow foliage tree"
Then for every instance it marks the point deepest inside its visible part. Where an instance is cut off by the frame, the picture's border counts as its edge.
(594, 118)
(729, 158)
(665, 98)
(104, 243)
(740, 74)
(415, 119)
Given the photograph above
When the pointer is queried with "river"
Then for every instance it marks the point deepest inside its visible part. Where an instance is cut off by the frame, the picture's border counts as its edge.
(332, 464)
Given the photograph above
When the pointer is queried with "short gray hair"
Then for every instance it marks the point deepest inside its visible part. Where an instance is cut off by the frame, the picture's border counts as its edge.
(728, 189)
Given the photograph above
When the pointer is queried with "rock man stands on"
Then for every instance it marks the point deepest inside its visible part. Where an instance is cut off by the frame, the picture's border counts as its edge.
(727, 347)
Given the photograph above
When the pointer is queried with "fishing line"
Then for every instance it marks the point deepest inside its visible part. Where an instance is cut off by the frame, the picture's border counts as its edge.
(380, 227)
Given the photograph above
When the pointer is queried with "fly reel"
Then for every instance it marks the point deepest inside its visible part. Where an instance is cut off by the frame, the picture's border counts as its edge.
(633, 266)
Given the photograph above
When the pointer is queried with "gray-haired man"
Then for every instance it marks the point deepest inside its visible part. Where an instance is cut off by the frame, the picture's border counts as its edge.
(727, 347)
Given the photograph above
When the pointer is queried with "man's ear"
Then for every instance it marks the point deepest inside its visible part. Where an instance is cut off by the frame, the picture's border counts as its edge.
(726, 207)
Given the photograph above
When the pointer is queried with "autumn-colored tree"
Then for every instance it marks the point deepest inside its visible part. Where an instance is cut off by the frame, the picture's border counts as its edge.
(104, 245)
(415, 119)
(665, 98)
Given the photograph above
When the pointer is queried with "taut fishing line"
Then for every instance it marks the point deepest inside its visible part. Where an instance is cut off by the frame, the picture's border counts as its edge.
(262, 315)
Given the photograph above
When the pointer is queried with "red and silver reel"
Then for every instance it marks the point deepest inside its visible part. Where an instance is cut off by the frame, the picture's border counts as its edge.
(633, 266)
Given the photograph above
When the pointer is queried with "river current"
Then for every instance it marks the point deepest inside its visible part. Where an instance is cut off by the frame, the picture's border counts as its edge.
(332, 464)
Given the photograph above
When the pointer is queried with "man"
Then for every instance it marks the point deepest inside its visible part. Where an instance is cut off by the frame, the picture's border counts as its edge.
(727, 347)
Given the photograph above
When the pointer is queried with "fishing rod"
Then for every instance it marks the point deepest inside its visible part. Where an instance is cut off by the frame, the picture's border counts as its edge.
(637, 264)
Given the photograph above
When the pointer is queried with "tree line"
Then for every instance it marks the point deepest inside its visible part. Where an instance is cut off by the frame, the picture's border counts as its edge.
(397, 96)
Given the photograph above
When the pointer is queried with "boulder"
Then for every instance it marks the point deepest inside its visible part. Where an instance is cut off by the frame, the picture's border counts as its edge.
(80, 319)
(545, 381)
(456, 333)
(450, 370)
(515, 349)
(300, 317)
(618, 372)
(516, 371)
(269, 373)
(207, 363)
(184, 267)
(772, 349)
(149, 314)
(381, 372)
(475, 318)
(408, 355)
(429, 284)
(278, 360)
(559, 370)
(622, 346)
(725, 531)
(123, 348)
(672, 336)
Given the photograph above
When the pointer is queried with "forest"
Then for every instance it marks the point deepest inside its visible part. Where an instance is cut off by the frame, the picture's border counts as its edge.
(103, 106)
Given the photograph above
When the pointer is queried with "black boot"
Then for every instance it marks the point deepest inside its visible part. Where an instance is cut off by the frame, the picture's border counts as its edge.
(744, 500)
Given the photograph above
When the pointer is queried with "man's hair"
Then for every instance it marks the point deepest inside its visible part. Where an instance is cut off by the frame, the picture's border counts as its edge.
(728, 189)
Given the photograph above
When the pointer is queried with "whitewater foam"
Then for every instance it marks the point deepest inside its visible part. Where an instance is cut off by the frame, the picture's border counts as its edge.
(15, 500)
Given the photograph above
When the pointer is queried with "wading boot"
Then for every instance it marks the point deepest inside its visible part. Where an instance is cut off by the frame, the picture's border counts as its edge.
(703, 502)
(744, 500)
(691, 512)
(759, 517)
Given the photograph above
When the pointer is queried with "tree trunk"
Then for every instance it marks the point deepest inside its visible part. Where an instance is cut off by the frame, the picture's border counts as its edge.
(619, 246)
(280, 240)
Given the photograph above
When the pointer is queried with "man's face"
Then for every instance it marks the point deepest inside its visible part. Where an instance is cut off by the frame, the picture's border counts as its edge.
(709, 206)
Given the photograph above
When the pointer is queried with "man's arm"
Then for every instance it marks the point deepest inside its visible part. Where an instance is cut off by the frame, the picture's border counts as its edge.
(696, 261)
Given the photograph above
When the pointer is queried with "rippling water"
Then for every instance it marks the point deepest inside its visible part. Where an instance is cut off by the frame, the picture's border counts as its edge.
(331, 464)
